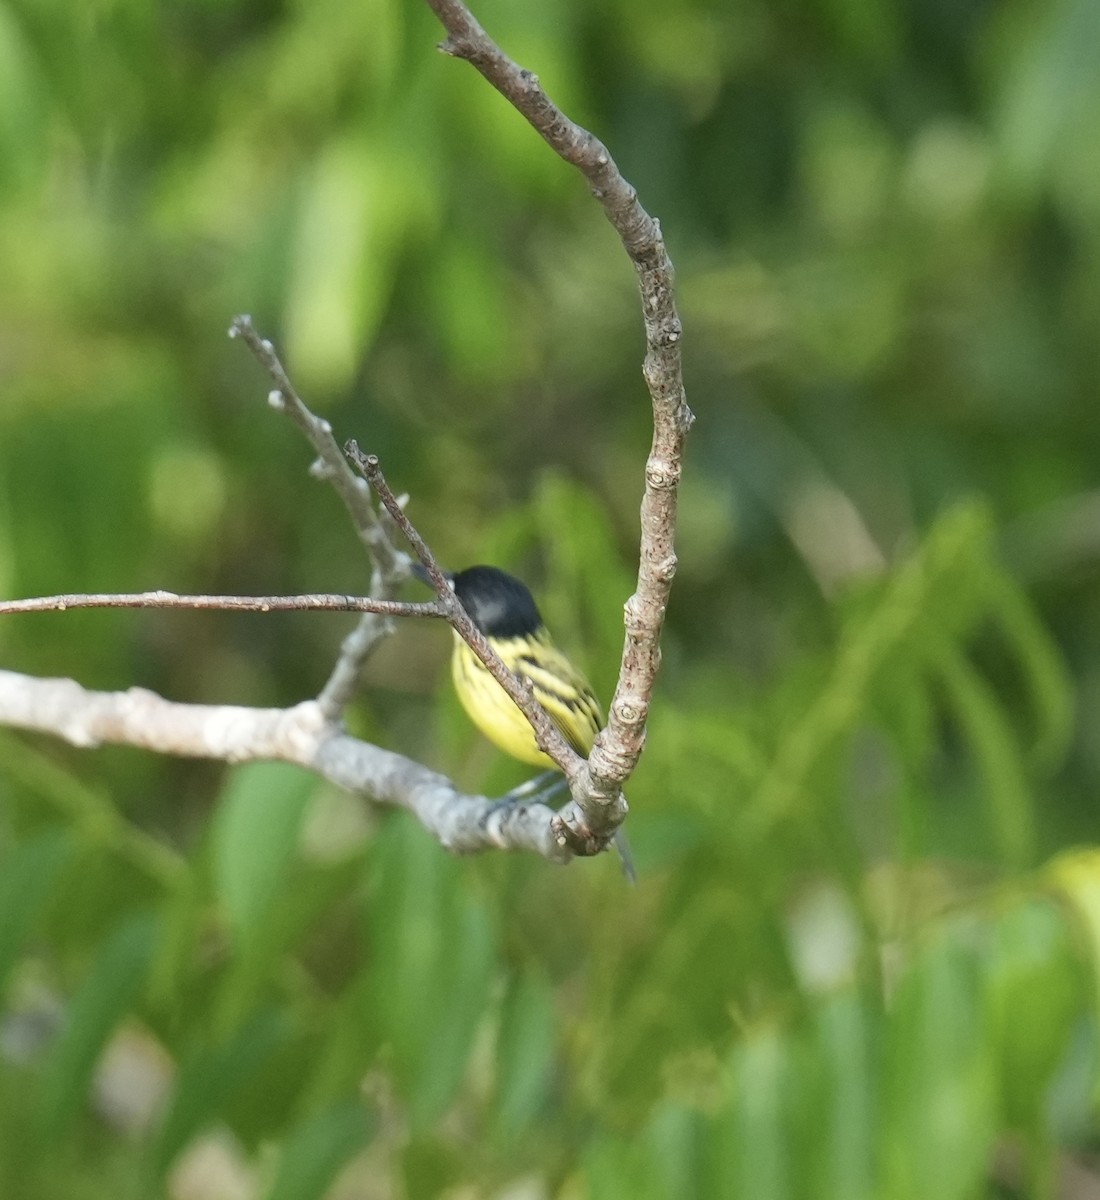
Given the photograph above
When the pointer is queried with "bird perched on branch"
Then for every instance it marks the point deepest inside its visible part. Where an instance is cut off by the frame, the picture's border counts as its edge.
(505, 612)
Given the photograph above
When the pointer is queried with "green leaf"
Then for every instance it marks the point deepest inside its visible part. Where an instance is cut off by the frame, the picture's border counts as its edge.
(686, 997)
(184, 915)
(994, 745)
(584, 585)
(1048, 94)
(434, 962)
(466, 973)
(316, 1150)
(209, 1078)
(755, 1153)
(263, 959)
(101, 1002)
(845, 1157)
(1036, 994)
(472, 312)
(939, 1079)
(1049, 684)
(27, 877)
(23, 88)
(676, 1136)
(1076, 874)
(255, 833)
(620, 1169)
(362, 198)
(410, 891)
(349, 1049)
(525, 1052)
(941, 566)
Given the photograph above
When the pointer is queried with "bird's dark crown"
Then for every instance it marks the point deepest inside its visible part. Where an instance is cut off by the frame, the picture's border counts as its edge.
(498, 604)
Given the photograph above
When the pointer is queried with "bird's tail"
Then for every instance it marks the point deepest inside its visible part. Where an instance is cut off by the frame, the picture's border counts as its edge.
(625, 857)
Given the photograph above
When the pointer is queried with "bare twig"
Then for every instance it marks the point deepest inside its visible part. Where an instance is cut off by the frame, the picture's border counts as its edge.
(617, 749)
(317, 602)
(391, 566)
(302, 735)
(332, 466)
(346, 676)
(547, 735)
(356, 648)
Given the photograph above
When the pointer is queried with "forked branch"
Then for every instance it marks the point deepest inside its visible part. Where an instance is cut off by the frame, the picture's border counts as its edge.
(617, 749)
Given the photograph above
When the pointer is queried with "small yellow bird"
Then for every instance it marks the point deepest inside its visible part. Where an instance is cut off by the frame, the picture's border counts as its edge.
(505, 612)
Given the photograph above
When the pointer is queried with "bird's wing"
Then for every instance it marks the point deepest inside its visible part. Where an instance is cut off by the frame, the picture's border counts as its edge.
(564, 692)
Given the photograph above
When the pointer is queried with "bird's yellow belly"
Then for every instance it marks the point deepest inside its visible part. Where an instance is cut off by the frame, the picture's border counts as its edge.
(494, 712)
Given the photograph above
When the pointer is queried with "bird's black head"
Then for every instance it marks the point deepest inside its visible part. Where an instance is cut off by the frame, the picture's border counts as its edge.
(498, 604)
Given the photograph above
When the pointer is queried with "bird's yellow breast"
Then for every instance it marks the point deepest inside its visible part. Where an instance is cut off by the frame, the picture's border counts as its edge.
(558, 686)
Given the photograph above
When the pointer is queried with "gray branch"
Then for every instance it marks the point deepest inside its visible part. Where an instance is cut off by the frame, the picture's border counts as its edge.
(390, 565)
(313, 602)
(302, 735)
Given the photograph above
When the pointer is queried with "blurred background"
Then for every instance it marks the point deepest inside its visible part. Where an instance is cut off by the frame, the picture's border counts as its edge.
(861, 959)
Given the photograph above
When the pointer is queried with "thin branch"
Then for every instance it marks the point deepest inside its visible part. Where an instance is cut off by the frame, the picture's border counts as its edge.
(617, 749)
(347, 674)
(302, 735)
(332, 467)
(391, 566)
(371, 470)
(318, 602)
(547, 735)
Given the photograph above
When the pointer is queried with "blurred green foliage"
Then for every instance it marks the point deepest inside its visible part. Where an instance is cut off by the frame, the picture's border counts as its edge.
(863, 959)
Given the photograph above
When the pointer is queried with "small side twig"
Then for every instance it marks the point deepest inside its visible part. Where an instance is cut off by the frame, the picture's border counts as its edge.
(391, 566)
(332, 466)
(346, 676)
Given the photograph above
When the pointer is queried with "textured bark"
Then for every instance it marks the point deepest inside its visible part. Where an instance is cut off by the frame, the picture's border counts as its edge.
(302, 735)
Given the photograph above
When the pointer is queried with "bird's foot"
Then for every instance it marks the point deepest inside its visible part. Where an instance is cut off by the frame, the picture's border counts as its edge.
(538, 790)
